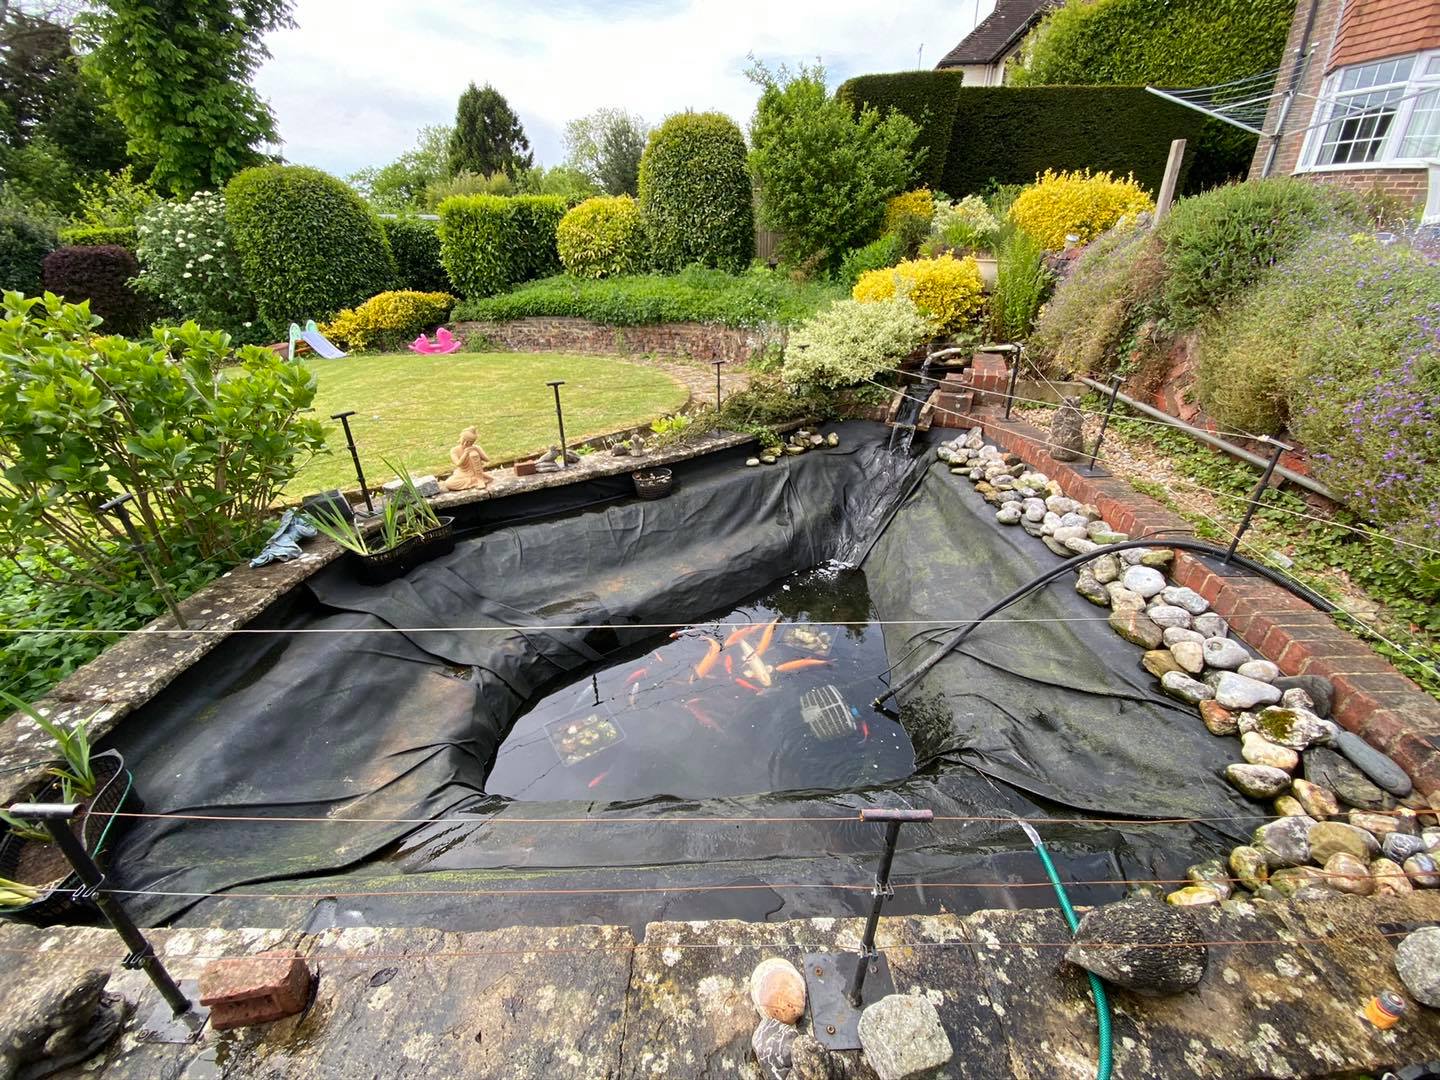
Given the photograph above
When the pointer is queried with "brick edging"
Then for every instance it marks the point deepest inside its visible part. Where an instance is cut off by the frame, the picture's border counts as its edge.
(1372, 698)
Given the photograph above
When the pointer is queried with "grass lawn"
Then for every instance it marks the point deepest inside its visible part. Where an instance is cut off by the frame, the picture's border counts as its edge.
(411, 409)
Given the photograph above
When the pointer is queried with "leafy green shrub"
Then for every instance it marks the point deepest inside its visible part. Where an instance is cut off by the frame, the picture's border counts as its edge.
(308, 245)
(114, 201)
(1081, 204)
(825, 171)
(188, 263)
(877, 255)
(1310, 337)
(1217, 245)
(389, 321)
(82, 417)
(100, 236)
(1098, 306)
(850, 342)
(489, 243)
(602, 237)
(101, 276)
(946, 290)
(1021, 285)
(751, 300)
(415, 245)
(25, 240)
(927, 98)
(695, 194)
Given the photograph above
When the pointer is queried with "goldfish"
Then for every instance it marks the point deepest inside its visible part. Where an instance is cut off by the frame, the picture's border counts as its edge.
(864, 731)
(702, 669)
(729, 664)
(693, 707)
(658, 658)
(754, 666)
(799, 665)
(749, 685)
(766, 638)
(741, 634)
(598, 778)
(636, 675)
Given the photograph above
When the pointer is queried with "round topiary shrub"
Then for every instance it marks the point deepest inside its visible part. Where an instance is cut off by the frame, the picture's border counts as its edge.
(695, 194)
(24, 243)
(601, 237)
(389, 321)
(308, 245)
(946, 290)
(415, 244)
(100, 274)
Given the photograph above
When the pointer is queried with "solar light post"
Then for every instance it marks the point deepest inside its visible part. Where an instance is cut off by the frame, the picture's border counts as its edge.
(1115, 381)
(1254, 503)
(716, 365)
(555, 385)
(344, 418)
(116, 506)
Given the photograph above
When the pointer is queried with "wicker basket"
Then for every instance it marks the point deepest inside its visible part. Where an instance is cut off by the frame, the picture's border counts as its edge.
(98, 828)
(653, 483)
(383, 566)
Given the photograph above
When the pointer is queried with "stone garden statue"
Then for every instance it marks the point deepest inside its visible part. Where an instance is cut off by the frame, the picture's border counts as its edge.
(1067, 431)
(469, 458)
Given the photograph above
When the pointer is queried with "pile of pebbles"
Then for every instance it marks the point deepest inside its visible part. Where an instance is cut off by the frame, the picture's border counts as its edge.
(1348, 819)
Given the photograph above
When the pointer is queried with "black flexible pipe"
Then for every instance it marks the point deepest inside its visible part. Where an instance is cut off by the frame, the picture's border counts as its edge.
(1308, 595)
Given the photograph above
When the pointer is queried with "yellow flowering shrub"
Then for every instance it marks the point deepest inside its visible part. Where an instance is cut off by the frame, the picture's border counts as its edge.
(918, 204)
(1081, 203)
(602, 236)
(389, 320)
(946, 290)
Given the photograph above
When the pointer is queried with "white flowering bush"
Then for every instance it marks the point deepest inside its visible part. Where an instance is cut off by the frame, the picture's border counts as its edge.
(188, 262)
(850, 342)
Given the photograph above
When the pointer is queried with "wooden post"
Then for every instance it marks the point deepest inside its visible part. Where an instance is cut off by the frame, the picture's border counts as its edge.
(1172, 177)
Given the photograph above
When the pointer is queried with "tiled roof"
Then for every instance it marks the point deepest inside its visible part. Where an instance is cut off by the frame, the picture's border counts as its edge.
(997, 33)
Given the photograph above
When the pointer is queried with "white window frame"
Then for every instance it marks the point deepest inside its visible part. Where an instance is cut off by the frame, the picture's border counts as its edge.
(1424, 78)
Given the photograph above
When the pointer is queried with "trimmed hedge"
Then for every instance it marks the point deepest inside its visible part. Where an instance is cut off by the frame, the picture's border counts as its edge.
(308, 245)
(415, 244)
(100, 236)
(1009, 135)
(489, 243)
(695, 194)
(24, 243)
(102, 276)
(927, 97)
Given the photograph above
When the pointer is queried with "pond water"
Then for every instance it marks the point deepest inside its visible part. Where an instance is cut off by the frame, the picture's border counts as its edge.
(773, 695)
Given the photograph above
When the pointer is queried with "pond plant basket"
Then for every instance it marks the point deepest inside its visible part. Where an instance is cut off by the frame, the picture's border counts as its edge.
(653, 483)
(97, 826)
(377, 568)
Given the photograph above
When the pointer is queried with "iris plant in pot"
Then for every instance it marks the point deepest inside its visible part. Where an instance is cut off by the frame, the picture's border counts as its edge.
(406, 533)
(36, 882)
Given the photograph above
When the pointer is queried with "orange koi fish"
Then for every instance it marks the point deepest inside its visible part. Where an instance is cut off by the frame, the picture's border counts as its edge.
(800, 665)
(864, 731)
(702, 669)
(693, 708)
(639, 673)
(766, 637)
(741, 634)
(729, 664)
(598, 778)
(658, 658)
(749, 686)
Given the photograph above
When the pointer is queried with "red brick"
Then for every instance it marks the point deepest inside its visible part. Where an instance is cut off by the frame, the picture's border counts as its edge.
(255, 989)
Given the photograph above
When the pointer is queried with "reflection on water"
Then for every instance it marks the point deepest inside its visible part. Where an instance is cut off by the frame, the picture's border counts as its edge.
(771, 696)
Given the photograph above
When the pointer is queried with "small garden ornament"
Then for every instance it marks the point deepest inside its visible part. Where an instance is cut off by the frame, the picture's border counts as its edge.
(444, 343)
(1067, 431)
(469, 459)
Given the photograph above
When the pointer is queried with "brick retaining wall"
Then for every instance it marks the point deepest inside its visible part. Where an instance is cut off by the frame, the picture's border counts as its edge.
(699, 341)
(1372, 699)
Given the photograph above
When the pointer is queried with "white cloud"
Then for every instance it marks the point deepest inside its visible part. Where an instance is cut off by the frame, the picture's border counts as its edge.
(352, 83)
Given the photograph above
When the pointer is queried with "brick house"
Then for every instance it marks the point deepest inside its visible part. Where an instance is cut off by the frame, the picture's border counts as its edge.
(982, 55)
(1358, 99)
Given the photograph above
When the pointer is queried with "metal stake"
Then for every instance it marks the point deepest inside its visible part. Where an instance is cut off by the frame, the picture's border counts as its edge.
(56, 817)
(882, 890)
(1014, 378)
(1254, 503)
(560, 418)
(1115, 381)
(344, 418)
(116, 506)
(716, 365)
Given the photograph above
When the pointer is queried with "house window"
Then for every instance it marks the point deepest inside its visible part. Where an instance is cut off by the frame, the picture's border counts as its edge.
(1382, 113)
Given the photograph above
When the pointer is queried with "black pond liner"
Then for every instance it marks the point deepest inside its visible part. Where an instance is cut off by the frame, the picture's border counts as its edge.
(1048, 716)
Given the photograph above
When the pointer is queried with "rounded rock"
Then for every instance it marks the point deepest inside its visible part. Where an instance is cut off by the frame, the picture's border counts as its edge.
(1400, 846)
(1191, 691)
(1168, 616)
(1320, 690)
(1249, 866)
(1289, 806)
(1329, 838)
(1134, 626)
(1347, 874)
(1379, 768)
(752, 462)
(1389, 877)
(1176, 633)
(1122, 599)
(1227, 655)
(778, 990)
(1318, 802)
(1212, 872)
(1294, 728)
(1159, 662)
(1009, 514)
(1417, 962)
(1193, 896)
(1258, 781)
(1237, 692)
(1285, 842)
(1188, 599)
(1189, 655)
(1218, 719)
(1262, 670)
(1144, 581)
(1328, 769)
(1258, 750)
(1211, 625)
(1422, 871)
(1106, 569)
(1142, 945)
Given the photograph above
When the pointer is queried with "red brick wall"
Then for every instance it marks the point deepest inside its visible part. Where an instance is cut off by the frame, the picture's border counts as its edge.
(1408, 184)
(699, 341)
(1375, 29)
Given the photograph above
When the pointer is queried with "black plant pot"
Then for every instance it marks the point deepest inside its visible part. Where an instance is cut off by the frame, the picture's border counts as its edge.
(383, 566)
(97, 826)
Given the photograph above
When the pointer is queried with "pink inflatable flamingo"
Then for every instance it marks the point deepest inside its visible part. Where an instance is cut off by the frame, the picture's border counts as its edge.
(444, 343)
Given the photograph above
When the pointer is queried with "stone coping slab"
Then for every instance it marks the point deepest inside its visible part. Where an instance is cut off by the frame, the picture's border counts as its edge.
(1283, 995)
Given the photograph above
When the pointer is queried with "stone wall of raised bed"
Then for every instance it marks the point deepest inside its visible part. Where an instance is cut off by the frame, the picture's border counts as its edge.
(697, 341)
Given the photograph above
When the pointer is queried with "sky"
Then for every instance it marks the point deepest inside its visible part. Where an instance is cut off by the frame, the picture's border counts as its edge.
(355, 79)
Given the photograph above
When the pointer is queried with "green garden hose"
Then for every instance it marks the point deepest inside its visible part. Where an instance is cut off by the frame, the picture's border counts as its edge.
(1097, 988)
